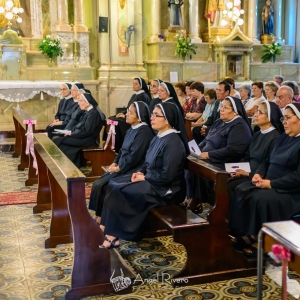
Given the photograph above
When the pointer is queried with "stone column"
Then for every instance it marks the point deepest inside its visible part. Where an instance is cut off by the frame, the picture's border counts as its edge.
(252, 21)
(277, 19)
(297, 58)
(290, 22)
(62, 17)
(36, 18)
(194, 21)
(155, 21)
(78, 16)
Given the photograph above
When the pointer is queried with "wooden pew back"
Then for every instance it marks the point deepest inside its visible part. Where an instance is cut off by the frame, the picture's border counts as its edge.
(19, 115)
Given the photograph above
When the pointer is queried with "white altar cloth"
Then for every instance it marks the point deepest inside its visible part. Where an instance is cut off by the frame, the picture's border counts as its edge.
(22, 90)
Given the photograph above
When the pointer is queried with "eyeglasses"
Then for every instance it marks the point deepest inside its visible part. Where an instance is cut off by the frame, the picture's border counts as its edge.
(225, 107)
(259, 112)
(154, 116)
(286, 118)
(153, 86)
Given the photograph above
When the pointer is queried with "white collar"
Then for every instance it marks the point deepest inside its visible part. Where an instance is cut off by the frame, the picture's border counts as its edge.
(233, 119)
(89, 108)
(68, 97)
(155, 96)
(140, 92)
(167, 132)
(268, 130)
(297, 135)
(75, 100)
(138, 125)
(167, 99)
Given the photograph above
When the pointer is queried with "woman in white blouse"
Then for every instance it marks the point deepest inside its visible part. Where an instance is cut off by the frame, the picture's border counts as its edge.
(253, 103)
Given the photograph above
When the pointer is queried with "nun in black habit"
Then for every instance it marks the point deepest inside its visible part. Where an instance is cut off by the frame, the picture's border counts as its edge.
(141, 93)
(167, 93)
(130, 157)
(69, 109)
(160, 181)
(267, 119)
(85, 133)
(227, 141)
(274, 192)
(155, 100)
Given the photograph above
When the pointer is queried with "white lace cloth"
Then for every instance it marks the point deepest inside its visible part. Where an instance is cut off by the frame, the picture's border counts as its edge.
(19, 90)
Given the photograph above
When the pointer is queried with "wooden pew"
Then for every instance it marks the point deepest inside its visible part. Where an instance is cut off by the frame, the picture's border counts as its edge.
(71, 221)
(188, 128)
(210, 255)
(19, 115)
(98, 157)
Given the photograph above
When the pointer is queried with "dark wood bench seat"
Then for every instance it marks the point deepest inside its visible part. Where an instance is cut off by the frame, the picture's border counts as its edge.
(19, 115)
(71, 222)
(210, 255)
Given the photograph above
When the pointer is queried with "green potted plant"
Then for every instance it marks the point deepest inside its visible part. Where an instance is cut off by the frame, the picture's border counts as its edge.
(270, 52)
(51, 47)
(184, 47)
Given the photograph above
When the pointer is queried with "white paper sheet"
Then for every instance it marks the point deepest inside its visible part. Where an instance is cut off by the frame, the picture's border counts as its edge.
(232, 167)
(195, 151)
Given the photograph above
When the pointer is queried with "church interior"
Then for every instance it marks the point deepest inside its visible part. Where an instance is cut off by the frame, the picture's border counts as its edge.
(103, 47)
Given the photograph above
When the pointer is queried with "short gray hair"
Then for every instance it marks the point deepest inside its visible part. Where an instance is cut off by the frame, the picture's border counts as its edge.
(279, 77)
(246, 87)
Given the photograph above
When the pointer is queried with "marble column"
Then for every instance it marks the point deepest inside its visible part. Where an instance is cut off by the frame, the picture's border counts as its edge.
(194, 21)
(155, 21)
(36, 18)
(277, 5)
(62, 17)
(290, 22)
(78, 16)
(297, 58)
(252, 21)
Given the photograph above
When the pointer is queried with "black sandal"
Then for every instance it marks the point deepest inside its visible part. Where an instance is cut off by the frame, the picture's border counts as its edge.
(112, 243)
(198, 209)
(245, 241)
(250, 251)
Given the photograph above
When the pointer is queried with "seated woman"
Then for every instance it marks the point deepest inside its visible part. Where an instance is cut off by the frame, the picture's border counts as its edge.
(267, 118)
(130, 157)
(186, 106)
(154, 86)
(141, 93)
(160, 181)
(253, 103)
(167, 93)
(198, 102)
(210, 97)
(70, 109)
(245, 93)
(271, 88)
(180, 91)
(227, 141)
(274, 192)
(233, 91)
(85, 133)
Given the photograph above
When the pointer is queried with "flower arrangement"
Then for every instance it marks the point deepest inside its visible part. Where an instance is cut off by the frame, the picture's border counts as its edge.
(51, 47)
(161, 36)
(270, 52)
(184, 46)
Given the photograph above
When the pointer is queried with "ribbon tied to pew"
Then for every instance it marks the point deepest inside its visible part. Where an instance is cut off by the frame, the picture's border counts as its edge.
(29, 142)
(283, 255)
(111, 134)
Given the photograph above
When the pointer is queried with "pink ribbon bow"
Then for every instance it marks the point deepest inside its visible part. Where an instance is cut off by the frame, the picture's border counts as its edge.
(111, 134)
(283, 255)
(29, 142)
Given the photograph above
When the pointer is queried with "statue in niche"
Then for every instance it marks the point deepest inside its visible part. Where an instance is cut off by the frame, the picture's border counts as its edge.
(220, 5)
(175, 12)
(267, 17)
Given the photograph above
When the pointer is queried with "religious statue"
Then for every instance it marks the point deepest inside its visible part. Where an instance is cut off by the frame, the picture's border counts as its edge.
(175, 12)
(219, 6)
(267, 17)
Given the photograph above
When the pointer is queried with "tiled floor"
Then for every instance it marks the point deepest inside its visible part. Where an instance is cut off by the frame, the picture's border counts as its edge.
(28, 271)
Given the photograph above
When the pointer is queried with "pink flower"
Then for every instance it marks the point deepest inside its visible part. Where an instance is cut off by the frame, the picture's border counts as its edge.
(281, 252)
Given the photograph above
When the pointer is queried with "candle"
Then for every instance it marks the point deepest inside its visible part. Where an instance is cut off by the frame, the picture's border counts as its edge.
(209, 33)
(75, 29)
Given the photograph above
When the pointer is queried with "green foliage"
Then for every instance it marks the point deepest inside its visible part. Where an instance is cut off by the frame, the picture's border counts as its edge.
(51, 47)
(184, 47)
(270, 52)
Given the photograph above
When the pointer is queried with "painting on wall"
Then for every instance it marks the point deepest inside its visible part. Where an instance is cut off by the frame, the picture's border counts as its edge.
(122, 48)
